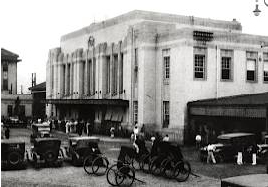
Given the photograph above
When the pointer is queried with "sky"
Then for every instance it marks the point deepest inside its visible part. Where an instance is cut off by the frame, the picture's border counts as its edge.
(30, 28)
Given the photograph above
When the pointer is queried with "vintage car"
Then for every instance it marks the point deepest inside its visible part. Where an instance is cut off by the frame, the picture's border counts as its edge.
(40, 130)
(253, 180)
(46, 152)
(81, 148)
(12, 154)
(262, 155)
(228, 145)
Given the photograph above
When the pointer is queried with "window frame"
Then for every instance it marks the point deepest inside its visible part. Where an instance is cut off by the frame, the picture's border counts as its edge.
(265, 60)
(200, 51)
(252, 55)
(166, 114)
(135, 112)
(228, 54)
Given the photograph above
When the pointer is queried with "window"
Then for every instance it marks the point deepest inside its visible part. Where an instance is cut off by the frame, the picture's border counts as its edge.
(135, 111)
(166, 58)
(165, 114)
(9, 110)
(199, 63)
(5, 76)
(226, 64)
(251, 66)
(108, 74)
(265, 67)
(136, 67)
(121, 74)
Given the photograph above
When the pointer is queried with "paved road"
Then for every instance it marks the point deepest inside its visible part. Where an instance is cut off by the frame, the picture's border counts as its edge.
(75, 176)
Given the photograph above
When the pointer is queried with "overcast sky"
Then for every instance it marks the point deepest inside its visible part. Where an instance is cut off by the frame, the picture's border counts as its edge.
(30, 28)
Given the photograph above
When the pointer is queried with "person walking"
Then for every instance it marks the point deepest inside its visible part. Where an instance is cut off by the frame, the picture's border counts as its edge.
(211, 149)
(240, 156)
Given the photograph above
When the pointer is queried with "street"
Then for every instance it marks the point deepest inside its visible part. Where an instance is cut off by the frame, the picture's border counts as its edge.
(68, 175)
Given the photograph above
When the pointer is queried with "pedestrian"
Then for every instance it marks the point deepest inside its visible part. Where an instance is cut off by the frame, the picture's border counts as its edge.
(88, 128)
(50, 125)
(7, 132)
(166, 138)
(136, 132)
(67, 127)
(211, 149)
(79, 128)
(152, 139)
(198, 140)
(112, 132)
(240, 156)
(254, 150)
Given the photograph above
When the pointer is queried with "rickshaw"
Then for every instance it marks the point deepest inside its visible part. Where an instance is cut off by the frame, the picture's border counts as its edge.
(84, 151)
(40, 130)
(122, 173)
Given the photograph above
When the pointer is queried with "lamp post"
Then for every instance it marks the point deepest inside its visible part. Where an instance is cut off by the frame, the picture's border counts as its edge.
(257, 11)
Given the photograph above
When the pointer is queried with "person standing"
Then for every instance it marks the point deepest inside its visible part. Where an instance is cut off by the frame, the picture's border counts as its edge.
(136, 132)
(198, 140)
(7, 133)
(254, 150)
(240, 156)
(166, 138)
(112, 132)
(88, 128)
(211, 149)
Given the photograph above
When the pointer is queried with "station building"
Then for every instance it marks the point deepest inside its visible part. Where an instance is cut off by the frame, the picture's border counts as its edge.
(144, 67)
(12, 103)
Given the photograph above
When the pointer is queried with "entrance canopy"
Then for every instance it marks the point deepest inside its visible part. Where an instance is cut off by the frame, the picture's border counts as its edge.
(249, 106)
(117, 102)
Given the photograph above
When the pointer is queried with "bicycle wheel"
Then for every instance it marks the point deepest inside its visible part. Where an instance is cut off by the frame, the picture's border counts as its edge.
(100, 165)
(182, 171)
(111, 175)
(88, 164)
(125, 176)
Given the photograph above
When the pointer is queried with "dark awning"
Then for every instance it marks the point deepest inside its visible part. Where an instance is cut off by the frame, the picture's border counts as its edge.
(116, 102)
(253, 105)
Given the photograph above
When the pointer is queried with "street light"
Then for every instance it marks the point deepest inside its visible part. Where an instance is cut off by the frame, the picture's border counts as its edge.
(257, 10)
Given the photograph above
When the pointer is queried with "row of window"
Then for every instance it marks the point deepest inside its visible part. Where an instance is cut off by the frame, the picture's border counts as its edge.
(200, 63)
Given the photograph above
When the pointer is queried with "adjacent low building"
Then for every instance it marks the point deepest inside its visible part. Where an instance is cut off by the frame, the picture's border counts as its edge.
(144, 67)
(12, 104)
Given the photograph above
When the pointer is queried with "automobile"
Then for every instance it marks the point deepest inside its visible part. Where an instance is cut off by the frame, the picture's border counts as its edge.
(228, 145)
(81, 148)
(46, 152)
(253, 180)
(12, 154)
(40, 130)
(262, 154)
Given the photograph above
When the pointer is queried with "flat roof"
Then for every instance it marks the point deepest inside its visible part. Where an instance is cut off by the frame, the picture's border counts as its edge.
(243, 99)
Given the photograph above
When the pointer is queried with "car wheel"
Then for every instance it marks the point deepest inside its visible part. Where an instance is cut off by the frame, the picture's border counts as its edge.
(50, 157)
(14, 158)
(219, 158)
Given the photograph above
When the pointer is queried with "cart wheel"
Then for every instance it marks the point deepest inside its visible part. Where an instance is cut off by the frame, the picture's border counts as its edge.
(111, 175)
(155, 167)
(125, 176)
(145, 163)
(182, 171)
(88, 164)
(50, 157)
(14, 158)
(100, 165)
(168, 169)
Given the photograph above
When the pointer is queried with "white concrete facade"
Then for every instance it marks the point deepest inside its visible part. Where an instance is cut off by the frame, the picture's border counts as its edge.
(126, 62)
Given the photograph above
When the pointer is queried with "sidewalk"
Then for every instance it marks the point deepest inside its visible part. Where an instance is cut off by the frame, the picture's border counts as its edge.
(102, 138)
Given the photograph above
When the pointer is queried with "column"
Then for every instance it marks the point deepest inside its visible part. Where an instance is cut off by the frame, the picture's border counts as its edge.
(71, 78)
(66, 79)
(55, 72)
